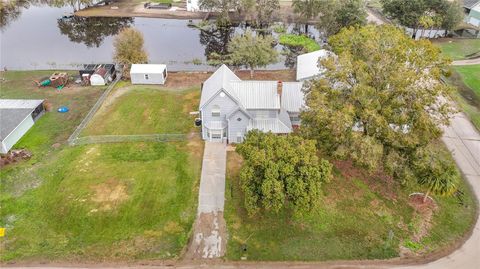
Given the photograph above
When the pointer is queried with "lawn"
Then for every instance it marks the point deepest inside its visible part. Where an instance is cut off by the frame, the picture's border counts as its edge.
(458, 49)
(99, 202)
(467, 81)
(302, 41)
(361, 217)
(145, 110)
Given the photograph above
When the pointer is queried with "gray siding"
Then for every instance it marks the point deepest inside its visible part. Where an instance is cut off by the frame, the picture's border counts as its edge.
(263, 113)
(226, 105)
(236, 127)
(152, 79)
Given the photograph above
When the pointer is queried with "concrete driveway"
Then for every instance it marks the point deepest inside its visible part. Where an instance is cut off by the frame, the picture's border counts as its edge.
(209, 239)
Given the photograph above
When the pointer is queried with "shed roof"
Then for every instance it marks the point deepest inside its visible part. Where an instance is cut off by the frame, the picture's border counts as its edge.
(147, 68)
(470, 3)
(275, 126)
(13, 112)
(307, 64)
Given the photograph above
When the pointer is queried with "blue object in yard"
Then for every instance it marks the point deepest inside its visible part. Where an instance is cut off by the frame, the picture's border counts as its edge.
(63, 109)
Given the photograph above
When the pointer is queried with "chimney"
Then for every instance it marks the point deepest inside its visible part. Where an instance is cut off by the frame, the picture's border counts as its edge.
(279, 90)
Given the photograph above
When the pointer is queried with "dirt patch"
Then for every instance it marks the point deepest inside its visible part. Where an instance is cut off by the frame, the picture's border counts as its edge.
(109, 194)
(387, 188)
(209, 237)
(14, 156)
(424, 212)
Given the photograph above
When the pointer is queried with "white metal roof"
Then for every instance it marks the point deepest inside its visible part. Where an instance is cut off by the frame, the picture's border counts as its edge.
(293, 98)
(147, 68)
(307, 64)
(19, 103)
(269, 125)
(220, 79)
(256, 94)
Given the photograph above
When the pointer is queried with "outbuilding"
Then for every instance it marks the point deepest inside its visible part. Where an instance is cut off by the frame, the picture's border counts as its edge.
(98, 74)
(17, 116)
(308, 66)
(148, 74)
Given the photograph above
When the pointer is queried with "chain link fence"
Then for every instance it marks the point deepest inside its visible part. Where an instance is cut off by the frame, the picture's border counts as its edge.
(74, 136)
(102, 139)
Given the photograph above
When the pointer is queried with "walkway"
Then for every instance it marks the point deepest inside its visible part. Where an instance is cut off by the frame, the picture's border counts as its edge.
(467, 61)
(209, 239)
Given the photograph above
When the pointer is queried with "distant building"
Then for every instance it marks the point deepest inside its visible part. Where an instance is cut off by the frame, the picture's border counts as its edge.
(17, 116)
(97, 74)
(148, 73)
(193, 5)
(472, 12)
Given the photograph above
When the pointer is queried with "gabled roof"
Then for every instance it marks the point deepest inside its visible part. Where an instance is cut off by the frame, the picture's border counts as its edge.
(470, 3)
(293, 98)
(256, 94)
(220, 79)
(238, 109)
(307, 64)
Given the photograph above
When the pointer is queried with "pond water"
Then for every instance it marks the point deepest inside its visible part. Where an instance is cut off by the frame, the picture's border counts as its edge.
(37, 39)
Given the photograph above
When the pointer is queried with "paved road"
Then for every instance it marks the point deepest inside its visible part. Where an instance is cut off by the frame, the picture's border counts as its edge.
(209, 239)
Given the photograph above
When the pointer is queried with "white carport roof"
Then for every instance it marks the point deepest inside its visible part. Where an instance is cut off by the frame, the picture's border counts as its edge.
(307, 64)
(147, 68)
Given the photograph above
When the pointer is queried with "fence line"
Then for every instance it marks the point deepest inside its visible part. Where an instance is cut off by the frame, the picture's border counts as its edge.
(102, 139)
(74, 136)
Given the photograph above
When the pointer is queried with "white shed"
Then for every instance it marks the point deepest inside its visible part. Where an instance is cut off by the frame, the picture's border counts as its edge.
(17, 116)
(307, 64)
(148, 73)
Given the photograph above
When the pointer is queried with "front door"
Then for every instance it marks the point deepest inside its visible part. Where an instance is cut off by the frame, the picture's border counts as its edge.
(216, 135)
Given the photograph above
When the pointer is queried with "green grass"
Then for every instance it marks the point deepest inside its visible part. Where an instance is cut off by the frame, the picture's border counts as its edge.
(124, 201)
(360, 217)
(112, 201)
(305, 42)
(146, 110)
(470, 75)
(458, 49)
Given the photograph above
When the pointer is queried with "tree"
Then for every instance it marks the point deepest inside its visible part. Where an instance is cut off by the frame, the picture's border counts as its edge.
(436, 172)
(380, 98)
(91, 31)
(412, 13)
(281, 172)
(265, 10)
(337, 14)
(129, 48)
(307, 9)
(252, 51)
(223, 7)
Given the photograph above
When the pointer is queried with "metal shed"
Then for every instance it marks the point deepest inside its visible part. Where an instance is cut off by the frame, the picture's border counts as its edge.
(17, 116)
(98, 74)
(148, 74)
(308, 66)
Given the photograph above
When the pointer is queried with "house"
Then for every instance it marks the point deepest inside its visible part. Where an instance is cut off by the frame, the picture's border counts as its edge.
(17, 116)
(307, 64)
(193, 5)
(472, 12)
(97, 74)
(148, 73)
(230, 107)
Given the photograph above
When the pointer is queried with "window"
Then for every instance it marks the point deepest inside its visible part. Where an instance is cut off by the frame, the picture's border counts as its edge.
(216, 111)
(294, 118)
(239, 119)
(222, 94)
(239, 138)
(146, 76)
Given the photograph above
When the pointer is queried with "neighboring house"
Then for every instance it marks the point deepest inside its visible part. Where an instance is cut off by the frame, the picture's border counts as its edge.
(148, 73)
(472, 12)
(17, 116)
(230, 107)
(193, 5)
(308, 66)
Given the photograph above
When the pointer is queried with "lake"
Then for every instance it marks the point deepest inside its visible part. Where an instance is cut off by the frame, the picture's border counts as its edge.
(37, 39)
